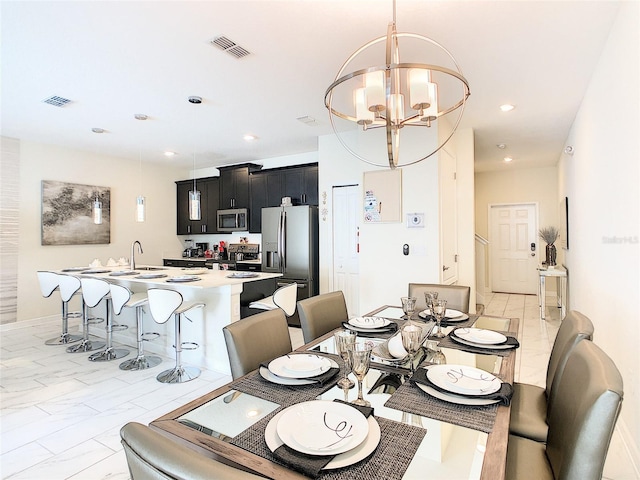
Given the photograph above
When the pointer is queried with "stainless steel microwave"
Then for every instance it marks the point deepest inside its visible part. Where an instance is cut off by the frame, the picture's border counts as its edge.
(233, 220)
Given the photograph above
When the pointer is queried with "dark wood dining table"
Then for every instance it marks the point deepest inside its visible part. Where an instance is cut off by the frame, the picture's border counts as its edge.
(218, 442)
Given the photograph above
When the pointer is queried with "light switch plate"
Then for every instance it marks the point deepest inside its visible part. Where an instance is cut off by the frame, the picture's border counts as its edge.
(415, 220)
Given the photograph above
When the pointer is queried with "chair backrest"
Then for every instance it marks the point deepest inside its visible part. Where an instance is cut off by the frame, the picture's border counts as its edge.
(581, 423)
(48, 282)
(321, 314)
(163, 303)
(119, 297)
(94, 290)
(152, 456)
(574, 328)
(457, 296)
(256, 339)
(286, 297)
(69, 285)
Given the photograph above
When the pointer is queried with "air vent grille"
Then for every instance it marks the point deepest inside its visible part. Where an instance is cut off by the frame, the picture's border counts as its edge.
(229, 46)
(307, 120)
(57, 101)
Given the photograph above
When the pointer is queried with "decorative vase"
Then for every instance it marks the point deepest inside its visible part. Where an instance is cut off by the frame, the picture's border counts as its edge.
(550, 255)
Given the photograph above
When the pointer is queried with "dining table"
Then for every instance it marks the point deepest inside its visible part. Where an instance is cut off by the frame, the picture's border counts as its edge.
(411, 433)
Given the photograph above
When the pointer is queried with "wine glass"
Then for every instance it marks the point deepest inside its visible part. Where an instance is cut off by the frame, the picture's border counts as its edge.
(408, 306)
(411, 341)
(438, 357)
(439, 308)
(360, 356)
(345, 340)
(429, 297)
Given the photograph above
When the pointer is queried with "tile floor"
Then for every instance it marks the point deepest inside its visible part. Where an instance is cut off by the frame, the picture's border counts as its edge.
(61, 415)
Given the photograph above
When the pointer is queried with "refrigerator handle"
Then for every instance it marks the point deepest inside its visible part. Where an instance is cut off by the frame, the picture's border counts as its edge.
(280, 241)
(284, 241)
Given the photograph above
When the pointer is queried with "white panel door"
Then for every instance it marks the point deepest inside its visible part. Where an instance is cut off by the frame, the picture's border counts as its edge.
(513, 245)
(448, 219)
(346, 267)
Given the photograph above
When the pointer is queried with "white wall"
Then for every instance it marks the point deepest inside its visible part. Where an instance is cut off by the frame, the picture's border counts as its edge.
(44, 162)
(601, 180)
(384, 271)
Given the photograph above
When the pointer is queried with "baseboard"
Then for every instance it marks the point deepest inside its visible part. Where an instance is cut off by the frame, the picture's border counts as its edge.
(72, 323)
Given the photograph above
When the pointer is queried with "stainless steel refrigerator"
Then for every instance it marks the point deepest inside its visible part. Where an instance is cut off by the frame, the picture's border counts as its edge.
(290, 247)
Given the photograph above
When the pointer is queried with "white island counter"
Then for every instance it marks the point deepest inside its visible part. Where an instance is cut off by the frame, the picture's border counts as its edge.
(220, 294)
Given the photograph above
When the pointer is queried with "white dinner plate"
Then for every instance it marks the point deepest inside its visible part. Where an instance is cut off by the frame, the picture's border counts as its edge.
(461, 400)
(120, 273)
(195, 270)
(457, 339)
(151, 275)
(291, 367)
(183, 278)
(463, 380)
(243, 275)
(273, 378)
(322, 427)
(450, 315)
(480, 335)
(75, 269)
(369, 322)
(345, 459)
(94, 271)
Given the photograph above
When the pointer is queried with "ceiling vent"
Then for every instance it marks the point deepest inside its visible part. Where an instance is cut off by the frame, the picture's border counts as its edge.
(57, 101)
(229, 46)
(307, 120)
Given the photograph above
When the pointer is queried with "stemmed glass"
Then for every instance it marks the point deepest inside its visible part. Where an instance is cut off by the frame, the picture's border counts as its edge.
(411, 341)
(408, 306)
(345, 340)
(360, 359)
(429, 297)
(438, 309)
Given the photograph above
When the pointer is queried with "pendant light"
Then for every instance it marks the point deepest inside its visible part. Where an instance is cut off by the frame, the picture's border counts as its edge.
(194, 195)
(97, 211)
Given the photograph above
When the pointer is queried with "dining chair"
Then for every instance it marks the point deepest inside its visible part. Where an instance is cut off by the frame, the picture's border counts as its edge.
(284, 297)
(256, 339)
(49, 283)
(581, 422)
(530, 404)
(321, 314)
(152, 456)
(457, 296)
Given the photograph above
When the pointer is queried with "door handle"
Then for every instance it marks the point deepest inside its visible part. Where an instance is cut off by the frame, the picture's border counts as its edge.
(444, 269)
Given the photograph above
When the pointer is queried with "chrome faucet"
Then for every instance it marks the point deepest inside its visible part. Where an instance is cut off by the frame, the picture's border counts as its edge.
(132, 262)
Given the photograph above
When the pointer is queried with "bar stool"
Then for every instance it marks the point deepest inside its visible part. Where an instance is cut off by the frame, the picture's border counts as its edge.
(69, 286)
(122, 297)
(49, 283)
(93, 291)
(164, 303)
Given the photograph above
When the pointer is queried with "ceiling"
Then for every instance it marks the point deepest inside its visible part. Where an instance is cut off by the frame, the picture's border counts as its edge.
(115, 59)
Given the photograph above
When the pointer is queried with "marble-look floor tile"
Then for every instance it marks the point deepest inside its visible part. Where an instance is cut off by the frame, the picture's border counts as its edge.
(113, 467)
(23, 457)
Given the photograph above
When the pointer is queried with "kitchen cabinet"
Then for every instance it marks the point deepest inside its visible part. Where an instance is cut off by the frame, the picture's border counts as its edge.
(301, 184)
(209, 204)
(234, 185)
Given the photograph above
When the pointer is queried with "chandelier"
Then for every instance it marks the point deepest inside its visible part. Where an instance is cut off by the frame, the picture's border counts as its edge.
(389, 97)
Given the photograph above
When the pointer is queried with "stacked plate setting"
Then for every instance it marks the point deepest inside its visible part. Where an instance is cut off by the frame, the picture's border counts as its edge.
(368, 324)
(480, 338)
(461, 384)
(297, 369)
(451, 315)
(321, 427)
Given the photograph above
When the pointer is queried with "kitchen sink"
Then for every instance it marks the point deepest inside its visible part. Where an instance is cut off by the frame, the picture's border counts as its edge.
(150, 268)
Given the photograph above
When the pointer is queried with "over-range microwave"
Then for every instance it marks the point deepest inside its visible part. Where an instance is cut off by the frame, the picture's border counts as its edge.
(233, 220)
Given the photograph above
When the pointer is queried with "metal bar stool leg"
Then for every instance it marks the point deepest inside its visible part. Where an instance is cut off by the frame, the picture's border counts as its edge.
(142, 361)
(180, 373)
(109, 353)
(65, 337)
(86, 345)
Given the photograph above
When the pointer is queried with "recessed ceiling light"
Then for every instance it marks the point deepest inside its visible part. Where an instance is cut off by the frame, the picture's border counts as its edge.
(140, 116)
(169, 154)
(97, 130)
(501, 146)
(508, 159)
(250, 138)
(507, 107)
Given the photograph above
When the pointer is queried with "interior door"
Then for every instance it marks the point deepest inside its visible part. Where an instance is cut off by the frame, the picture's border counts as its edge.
(513, 244)
(448, 219)
(346, 267)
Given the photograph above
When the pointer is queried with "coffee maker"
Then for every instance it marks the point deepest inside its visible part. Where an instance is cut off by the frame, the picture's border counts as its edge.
(201, 248)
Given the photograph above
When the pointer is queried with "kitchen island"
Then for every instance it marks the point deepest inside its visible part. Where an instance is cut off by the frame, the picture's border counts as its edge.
(215, 288)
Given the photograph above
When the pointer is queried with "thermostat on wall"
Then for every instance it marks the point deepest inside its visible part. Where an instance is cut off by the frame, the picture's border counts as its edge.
(415, 220)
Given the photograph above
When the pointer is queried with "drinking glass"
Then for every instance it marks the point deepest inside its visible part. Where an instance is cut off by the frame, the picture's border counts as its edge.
(438, 357)
(408, 306)
(411, 341)
(439, 308)
(429, 297)
(345, 340)
(360, 359)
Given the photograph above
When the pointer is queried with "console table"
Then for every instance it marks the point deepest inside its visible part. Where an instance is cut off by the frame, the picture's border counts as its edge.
(560, 274)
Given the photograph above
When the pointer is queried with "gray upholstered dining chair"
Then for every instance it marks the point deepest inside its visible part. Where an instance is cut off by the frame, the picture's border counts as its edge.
(256, 339)
(581, 422)
(531, 405)
(152, 456)
(321, 314)
(457, 296)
